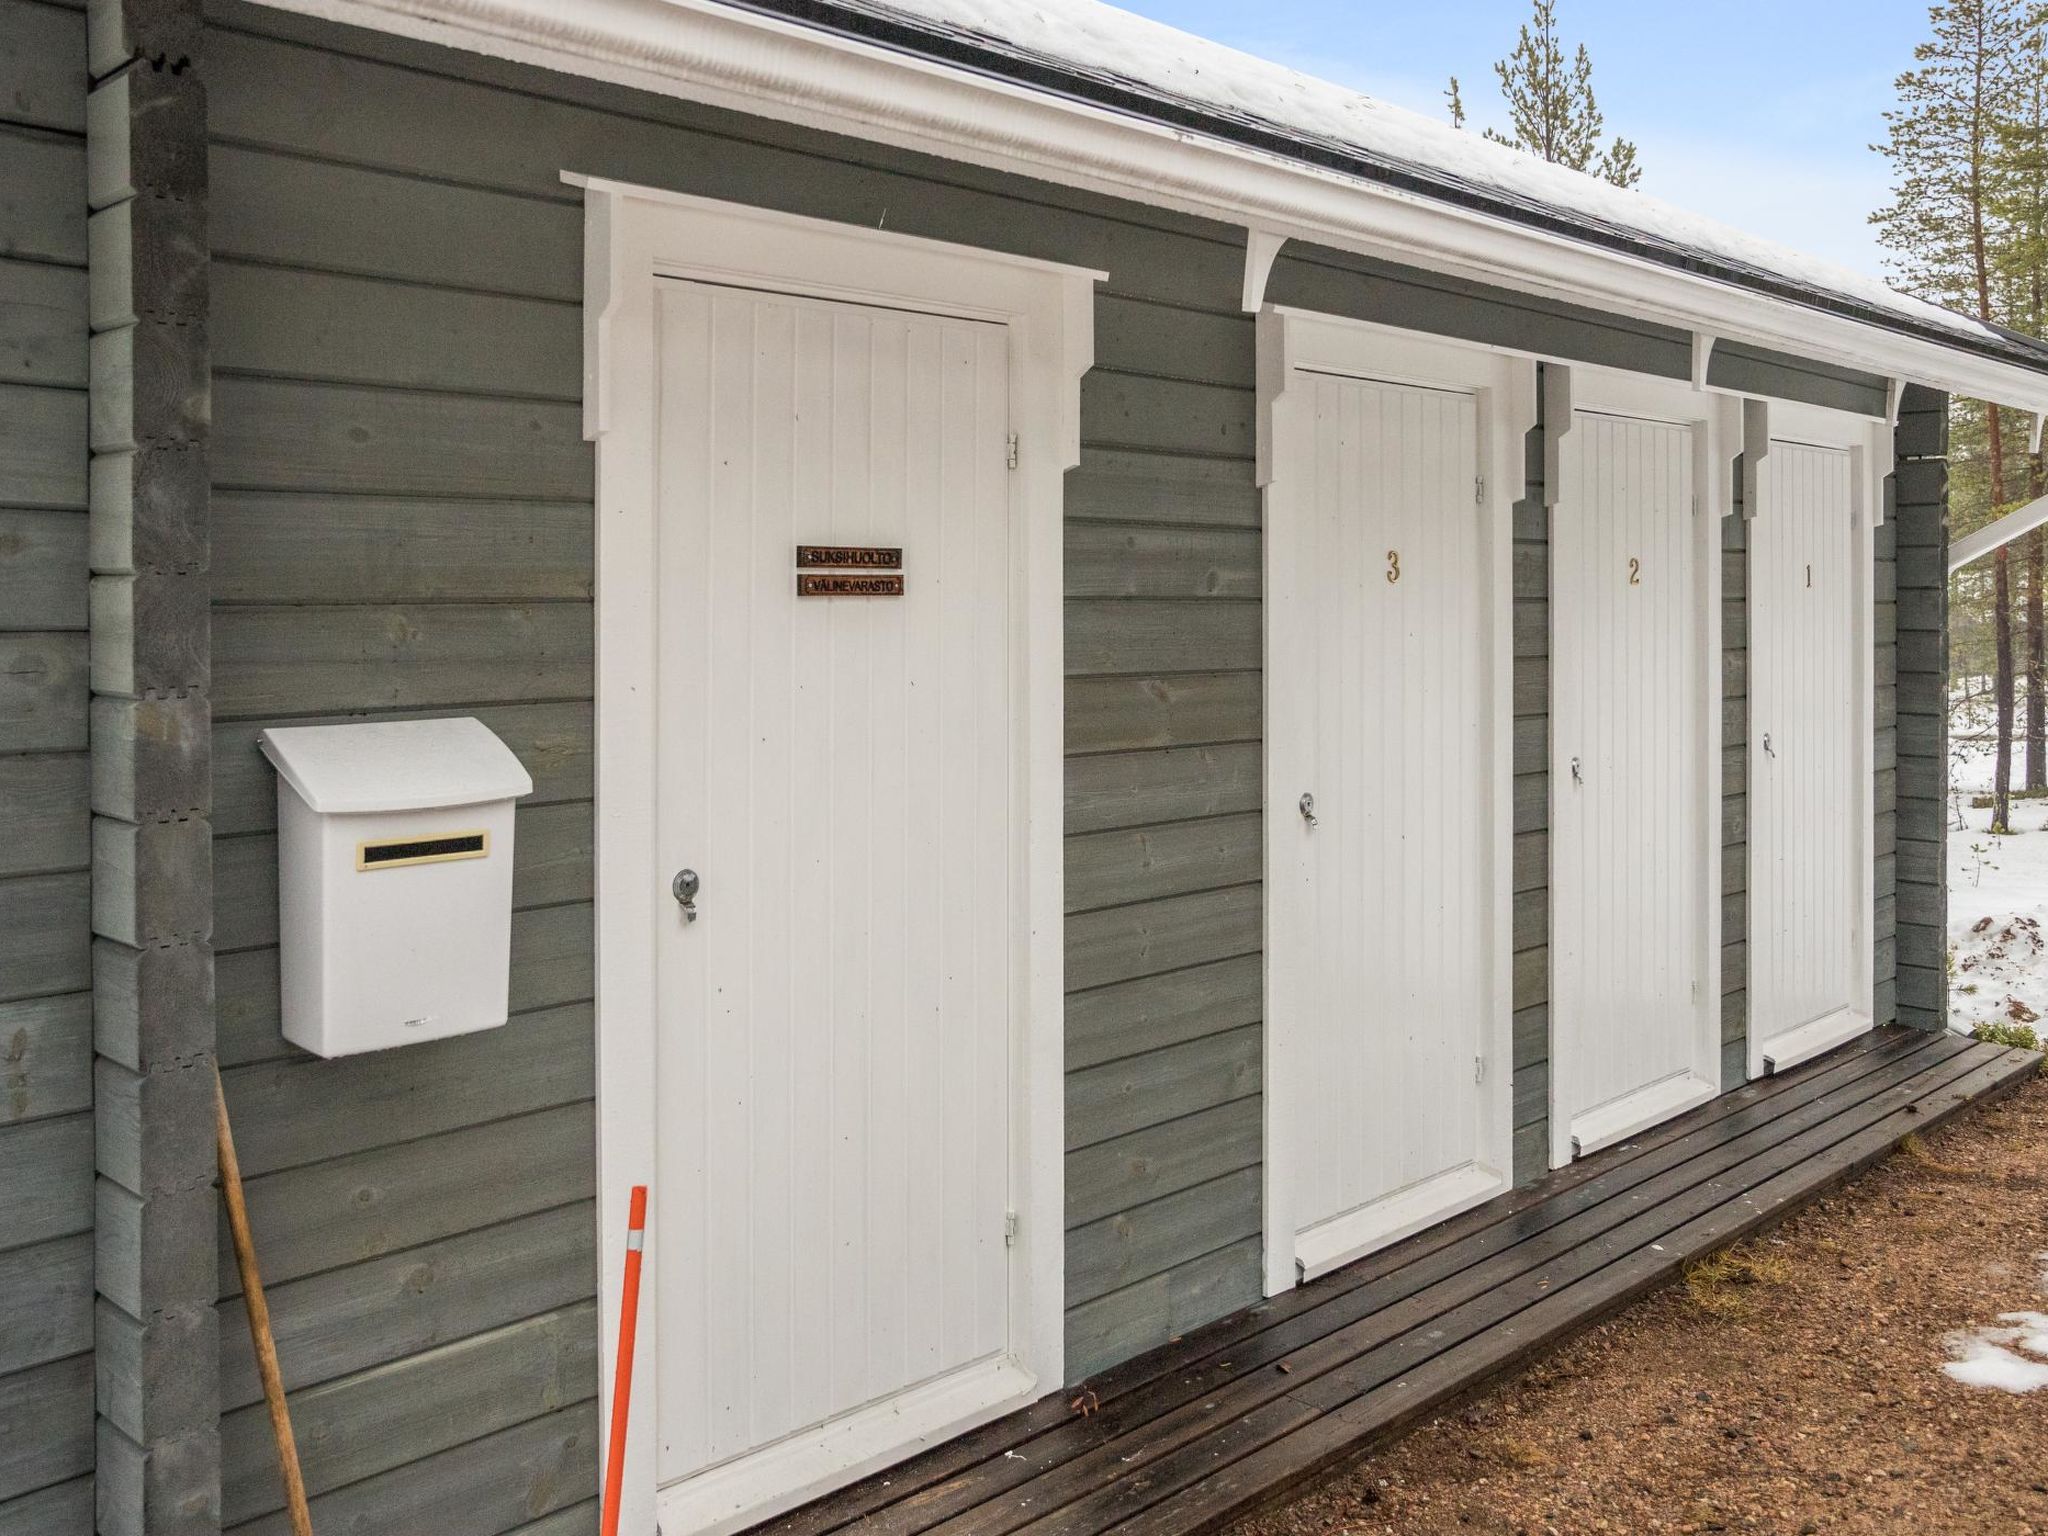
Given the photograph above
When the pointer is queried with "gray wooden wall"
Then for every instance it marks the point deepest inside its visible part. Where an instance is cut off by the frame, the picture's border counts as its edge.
(1884, 803)
(1735, 791)
(402, 524)
(46, 1123)
(1917, 742)
(1532, 820)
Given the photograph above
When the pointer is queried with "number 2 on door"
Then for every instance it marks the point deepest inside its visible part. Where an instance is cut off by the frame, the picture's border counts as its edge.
(1635, 571)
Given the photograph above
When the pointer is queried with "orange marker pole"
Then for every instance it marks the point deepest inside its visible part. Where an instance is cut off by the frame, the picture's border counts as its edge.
(622, 1380)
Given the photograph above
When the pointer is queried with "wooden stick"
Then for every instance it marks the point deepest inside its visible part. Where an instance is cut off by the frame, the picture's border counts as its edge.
(259, 1317)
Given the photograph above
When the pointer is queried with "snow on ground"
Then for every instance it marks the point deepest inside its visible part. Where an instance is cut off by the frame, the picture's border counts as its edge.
(1999, 1358)
(1997, 891)
(1997, 905)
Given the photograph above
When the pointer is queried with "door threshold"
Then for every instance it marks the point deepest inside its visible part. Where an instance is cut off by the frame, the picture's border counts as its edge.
(1621, 1118)
(1334, 1243)
(1782, 1052)
(776, 1478)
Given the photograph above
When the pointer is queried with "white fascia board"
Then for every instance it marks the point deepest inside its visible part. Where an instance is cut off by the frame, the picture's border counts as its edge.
(704, 51)
(1975, 546)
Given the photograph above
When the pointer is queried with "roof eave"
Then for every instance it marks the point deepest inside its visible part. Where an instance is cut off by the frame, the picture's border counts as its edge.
(746, 59)
(1022, 66)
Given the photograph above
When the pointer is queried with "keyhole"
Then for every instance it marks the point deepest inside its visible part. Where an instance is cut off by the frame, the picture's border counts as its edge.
(1635, 571)
(1393, 565)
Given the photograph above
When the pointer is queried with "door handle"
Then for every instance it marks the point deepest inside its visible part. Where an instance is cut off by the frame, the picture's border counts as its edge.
(1307, 807)
(1577, 777)
(684, 888)
(1769, 750)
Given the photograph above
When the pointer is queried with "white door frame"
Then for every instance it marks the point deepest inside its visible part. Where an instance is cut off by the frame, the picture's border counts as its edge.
(1868, 443)
(1715, 419)
(1505, 386)
(632, 236)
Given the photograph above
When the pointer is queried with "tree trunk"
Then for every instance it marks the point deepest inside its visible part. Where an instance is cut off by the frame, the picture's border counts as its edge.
(2001, 609)
(2037, 664)
(2037, 566)
(1980, 141)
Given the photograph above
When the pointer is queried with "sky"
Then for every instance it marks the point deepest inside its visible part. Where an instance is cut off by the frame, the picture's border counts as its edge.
(1761, 115)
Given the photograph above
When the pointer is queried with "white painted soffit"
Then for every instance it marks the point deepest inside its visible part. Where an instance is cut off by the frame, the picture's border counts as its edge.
(706, 51)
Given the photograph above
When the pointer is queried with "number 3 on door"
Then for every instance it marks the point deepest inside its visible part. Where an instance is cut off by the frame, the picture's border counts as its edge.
(1393, 565)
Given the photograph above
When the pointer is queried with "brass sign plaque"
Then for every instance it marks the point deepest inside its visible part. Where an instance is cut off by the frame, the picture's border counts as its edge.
(849, 584)
(856, 557)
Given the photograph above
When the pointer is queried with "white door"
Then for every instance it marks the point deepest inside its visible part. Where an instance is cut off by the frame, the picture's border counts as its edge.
(1630, 976)
(836, 1026)
(1808, 980)
(1384, 928)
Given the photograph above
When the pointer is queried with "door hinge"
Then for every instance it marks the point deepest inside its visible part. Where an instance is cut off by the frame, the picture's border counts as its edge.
(1478, 1069)
(1479, 491)
(1013, 450)
(1009, 1229)
(1695, 506)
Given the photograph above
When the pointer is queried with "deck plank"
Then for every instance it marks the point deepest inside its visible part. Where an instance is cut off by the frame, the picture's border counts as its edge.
(1285, 1467)
(913, 1483)
(1254, 1406)
(1395, 1336)
(1214, 1370)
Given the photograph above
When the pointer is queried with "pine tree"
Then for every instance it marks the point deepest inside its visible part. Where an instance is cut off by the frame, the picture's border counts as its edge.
(1457, 103)
(2019, 202)
(1551, 106)
(1940, 227)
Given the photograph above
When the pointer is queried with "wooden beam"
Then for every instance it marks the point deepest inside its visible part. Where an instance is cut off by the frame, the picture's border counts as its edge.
(149, 380)
(1918, 528)
(2015, 524)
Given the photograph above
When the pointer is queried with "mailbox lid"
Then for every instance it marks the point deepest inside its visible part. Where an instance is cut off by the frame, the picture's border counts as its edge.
(395, 765)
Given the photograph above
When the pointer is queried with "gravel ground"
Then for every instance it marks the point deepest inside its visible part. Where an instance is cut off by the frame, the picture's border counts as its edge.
(1811, 1398)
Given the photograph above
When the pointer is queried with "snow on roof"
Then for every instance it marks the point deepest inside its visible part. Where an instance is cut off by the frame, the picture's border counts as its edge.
(1097, 42)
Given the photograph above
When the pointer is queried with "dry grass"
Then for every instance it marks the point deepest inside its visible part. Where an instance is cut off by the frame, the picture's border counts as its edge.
(1718, 1284)
(1922, 1154)
(1517, 1452)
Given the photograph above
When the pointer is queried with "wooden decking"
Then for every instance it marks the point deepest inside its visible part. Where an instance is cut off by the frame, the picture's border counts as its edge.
(1253, 1407)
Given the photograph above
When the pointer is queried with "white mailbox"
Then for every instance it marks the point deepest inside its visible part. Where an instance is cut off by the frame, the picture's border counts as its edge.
(394, 894)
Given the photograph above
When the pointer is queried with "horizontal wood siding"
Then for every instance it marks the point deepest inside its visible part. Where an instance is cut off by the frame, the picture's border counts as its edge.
(1164, 849)
(403, 526)
(1531, 975)
(1735, 794)
(1884, 933)
(46, 1133)
(1912, 740)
